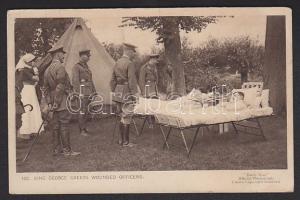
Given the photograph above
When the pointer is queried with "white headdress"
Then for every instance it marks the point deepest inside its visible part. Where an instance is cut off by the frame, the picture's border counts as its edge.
(24, 60)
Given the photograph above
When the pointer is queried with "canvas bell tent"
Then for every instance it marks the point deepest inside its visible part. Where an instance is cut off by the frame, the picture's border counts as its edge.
(78, 37)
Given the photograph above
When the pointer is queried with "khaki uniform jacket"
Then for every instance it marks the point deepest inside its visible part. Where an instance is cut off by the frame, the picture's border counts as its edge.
(124, 74)
(82, 79)
(148, 80)
(57, 85)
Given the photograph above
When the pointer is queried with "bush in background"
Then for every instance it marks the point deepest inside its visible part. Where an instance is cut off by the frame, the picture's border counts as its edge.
(219, 62)
(212, 63)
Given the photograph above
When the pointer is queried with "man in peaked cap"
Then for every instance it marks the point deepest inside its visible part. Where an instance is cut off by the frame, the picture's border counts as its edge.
(125, 88)
(127, 46)
(57, 86)
(148, 80)
(57, 48)
(82, 82)
(148, 77)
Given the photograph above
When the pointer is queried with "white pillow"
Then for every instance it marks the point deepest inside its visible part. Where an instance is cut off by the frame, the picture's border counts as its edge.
(238, 106)
(265, 98)
(250, 96)
(257, 102)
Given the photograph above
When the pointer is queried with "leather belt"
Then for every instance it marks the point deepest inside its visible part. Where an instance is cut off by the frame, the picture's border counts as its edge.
(150, 81)
(122, 83)
(83, 81)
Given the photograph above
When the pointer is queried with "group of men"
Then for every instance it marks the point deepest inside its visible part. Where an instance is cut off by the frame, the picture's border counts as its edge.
(125, 85)
(127, 89)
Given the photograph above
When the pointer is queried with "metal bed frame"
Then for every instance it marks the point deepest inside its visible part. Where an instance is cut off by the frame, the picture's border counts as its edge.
(174, 123)
(162, 121)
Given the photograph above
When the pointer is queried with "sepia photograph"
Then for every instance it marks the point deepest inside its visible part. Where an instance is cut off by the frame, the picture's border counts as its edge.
(149, 100)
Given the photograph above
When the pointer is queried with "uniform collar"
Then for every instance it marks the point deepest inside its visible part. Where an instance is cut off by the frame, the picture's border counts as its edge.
(83, 64)
(55, 60)
(125, 56)
(152, 66)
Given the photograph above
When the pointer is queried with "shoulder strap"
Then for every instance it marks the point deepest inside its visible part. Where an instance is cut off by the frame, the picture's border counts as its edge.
(51, 78)
(80, 64)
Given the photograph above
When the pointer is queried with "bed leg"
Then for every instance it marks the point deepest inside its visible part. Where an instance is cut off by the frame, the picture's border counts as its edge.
(260, 129)
(194, 140)
(184, 141)
(207, 128)
(235, 129)
(135, 127)
(166, 138)
(143, 125)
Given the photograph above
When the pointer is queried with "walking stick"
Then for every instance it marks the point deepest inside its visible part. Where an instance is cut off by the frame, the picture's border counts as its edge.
(35, 139)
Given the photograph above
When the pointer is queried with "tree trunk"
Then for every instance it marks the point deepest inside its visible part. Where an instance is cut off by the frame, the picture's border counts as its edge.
(274, 70)
(172, 46)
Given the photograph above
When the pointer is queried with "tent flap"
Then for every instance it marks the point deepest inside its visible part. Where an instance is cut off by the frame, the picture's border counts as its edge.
(78, 37)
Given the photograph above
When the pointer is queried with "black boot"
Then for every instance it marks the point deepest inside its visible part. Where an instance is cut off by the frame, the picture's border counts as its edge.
(65, 139)
(56, 142)
(126, 142)
(121, 134)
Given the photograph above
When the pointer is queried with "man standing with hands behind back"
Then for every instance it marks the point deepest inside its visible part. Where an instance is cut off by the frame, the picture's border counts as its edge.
(82, 82)
(125, 88)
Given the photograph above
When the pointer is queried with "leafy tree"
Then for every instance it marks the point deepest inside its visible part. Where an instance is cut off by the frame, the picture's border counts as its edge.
(115, 51)
(37, 35)
(168, 29)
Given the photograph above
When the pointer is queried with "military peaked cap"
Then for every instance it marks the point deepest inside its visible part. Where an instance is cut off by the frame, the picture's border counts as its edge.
(58, 48)
(129, 46)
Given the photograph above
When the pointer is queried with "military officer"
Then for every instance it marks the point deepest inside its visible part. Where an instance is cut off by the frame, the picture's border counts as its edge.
(125, 87)
(58, 87)
(82, 82)
(148, 77)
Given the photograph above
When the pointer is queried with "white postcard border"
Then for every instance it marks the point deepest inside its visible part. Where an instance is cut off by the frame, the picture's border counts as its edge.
(148, 181)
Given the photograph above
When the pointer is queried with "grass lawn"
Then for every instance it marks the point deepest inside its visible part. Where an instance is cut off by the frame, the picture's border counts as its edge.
(211, 151)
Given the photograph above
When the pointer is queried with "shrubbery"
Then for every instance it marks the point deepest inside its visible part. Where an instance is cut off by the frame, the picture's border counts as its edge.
(219, 62)
(212, 63)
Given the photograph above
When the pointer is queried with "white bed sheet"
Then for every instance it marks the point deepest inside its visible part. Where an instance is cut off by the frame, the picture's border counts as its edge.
(185, 114)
